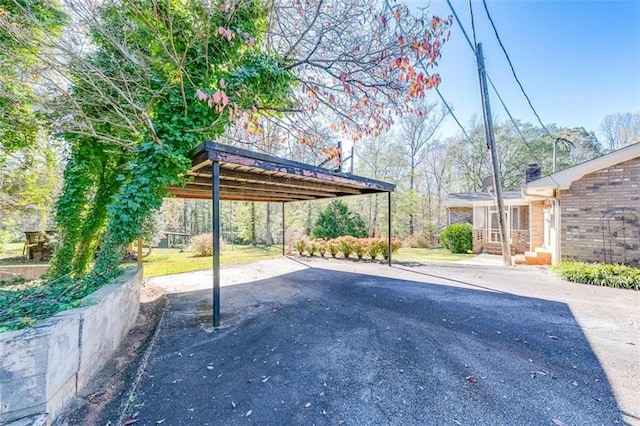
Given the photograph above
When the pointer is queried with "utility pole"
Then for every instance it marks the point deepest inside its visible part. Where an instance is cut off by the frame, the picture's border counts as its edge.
(491, 142)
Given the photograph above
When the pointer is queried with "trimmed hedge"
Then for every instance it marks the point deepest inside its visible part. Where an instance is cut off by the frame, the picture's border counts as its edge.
(603, 274)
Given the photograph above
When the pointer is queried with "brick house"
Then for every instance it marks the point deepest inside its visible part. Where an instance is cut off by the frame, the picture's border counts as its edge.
(589, 212)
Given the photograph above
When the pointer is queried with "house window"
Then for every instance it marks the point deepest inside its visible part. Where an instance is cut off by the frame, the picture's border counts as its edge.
(486, 218)
(480, 217)
(520, 217)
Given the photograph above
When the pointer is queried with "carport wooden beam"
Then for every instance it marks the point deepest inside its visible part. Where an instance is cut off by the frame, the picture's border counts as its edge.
(222, 172)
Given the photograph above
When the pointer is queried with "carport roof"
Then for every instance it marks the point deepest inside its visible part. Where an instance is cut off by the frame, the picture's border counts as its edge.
(250, 176)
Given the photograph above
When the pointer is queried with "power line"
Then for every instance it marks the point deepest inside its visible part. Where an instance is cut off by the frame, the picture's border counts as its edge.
(473, 49)
(455, 15)
(473, 27)
(448, 107)
(451, 112)
(513, 71)
(446, 104)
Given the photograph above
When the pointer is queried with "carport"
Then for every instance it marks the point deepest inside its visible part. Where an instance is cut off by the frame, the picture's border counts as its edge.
(222, 172)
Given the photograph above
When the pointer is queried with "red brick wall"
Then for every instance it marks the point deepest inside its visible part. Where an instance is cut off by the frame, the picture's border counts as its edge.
(584, 234)
(519, 242)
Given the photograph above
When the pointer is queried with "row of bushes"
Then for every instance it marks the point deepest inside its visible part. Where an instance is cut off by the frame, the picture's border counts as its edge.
(347, 246)
(604, 274)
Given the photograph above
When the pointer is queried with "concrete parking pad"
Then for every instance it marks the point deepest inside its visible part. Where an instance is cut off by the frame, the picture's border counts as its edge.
(330, 342)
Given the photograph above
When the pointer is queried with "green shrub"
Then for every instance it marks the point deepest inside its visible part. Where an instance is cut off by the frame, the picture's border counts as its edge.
(604, 274)
(457, 238)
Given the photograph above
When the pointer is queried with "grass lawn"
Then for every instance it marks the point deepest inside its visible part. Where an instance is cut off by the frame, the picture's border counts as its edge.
(172, 261)
(11, 250)
(425, 255)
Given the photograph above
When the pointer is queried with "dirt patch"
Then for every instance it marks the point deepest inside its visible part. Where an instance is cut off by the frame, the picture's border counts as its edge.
(101, 399)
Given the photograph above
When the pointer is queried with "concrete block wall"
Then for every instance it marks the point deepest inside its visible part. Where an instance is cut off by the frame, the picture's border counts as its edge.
(584, 205)
(44, 367)
(28, 272)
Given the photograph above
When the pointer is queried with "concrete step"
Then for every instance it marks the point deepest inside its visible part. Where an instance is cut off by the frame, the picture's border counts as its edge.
(537, 257)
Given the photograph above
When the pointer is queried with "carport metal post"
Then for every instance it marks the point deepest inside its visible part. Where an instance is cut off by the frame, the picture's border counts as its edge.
(389, 227)
(283, 233)
(215, 199)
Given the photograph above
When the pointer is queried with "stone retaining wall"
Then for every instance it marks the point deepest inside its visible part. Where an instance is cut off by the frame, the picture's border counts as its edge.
(28, 272)
(43, 368)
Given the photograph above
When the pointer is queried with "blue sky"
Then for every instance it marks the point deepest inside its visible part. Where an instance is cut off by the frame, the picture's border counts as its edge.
(577, 60)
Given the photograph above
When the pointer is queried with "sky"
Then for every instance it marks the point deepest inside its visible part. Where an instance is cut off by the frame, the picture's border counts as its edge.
(577, 60)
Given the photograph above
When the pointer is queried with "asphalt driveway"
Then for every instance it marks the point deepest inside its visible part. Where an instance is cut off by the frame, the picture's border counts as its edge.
(329, 342)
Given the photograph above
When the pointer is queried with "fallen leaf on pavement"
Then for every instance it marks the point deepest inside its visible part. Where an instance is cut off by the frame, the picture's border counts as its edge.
(558, 422)
(209, 367)
(159, 422)
(233, 404)
(129, 422)
(248, 413)
(307, 405)
(471, 379)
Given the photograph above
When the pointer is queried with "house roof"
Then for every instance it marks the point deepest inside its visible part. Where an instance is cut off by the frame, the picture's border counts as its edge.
(250, 176)
(563, 179)
(468, 199)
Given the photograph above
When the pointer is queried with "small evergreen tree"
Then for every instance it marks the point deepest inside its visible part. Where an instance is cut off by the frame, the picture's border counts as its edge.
(336, 220)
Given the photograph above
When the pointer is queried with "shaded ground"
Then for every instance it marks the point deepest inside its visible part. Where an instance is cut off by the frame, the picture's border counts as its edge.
(341, 343)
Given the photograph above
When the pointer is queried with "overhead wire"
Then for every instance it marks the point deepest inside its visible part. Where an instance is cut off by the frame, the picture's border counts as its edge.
(513, 71)
(446, 104)
(473, 26)
(473, 49)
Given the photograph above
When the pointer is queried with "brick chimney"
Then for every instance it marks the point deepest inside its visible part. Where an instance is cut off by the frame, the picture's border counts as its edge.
(532, 172)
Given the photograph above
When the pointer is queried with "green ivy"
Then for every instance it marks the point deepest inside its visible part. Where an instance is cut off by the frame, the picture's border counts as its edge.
(110, 193)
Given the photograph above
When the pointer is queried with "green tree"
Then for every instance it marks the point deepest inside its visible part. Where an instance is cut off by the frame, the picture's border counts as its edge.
(337, 220)
(183, 72)
(137, 84)
(28, 158)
